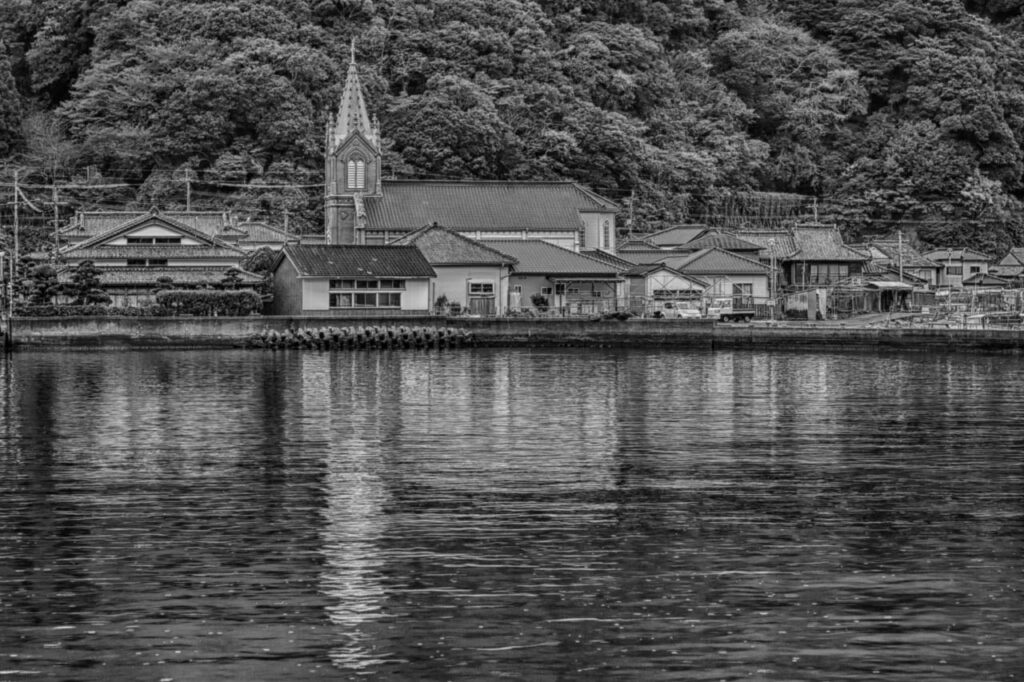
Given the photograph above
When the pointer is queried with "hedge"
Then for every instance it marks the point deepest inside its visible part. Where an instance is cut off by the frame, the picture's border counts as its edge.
(50, 310)
(231, 302)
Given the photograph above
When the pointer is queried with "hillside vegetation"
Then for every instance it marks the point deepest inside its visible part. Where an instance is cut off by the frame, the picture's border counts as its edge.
(905, 114)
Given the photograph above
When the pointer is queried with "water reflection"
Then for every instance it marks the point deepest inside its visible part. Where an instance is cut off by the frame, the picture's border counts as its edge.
(533, 514)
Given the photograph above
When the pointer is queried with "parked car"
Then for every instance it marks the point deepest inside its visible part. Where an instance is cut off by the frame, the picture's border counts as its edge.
(675, 310)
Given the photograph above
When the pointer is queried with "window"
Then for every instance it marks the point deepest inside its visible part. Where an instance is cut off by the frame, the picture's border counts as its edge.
(356, 175)
(363, 293)
(975, 269)
(742, 296)
(152, 240)
(606, 229)
(954, 270)
(825, 273)
(481, 288)
(545, 291)
(518, 288)
(146, 262)
(573, 291)
(560, 289)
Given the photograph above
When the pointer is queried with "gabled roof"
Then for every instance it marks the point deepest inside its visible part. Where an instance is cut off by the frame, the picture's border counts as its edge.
(981, 279)
(884, 271)
(772, 242)
(537, 257)
(147, 218)
(895, 252)
(88, 224)
(822, 244)
(407, 205)
(1014, 256)
(635, 244)
(441, 246)
(675, 236)
(940, 255)
(716, 262)
(649, 256)
(607, 258)
(261, 232)
(647, 269)
(720, 240)
(356, 261)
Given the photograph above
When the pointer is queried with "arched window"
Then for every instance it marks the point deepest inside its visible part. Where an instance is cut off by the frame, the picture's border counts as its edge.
(356, 176)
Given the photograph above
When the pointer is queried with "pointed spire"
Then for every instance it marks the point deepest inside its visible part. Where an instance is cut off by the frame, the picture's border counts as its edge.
(352, 114)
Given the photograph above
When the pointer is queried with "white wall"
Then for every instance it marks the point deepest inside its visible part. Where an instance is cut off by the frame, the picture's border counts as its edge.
(452, 281)
(721, 285)
(593, 227)
(417, 295)
(314, 294)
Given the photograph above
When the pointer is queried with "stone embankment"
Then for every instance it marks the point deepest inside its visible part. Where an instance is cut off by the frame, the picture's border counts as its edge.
(430, 332)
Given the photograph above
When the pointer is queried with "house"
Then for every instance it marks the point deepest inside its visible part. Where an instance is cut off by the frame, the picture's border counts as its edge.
(713, 239)
(807, 256)
(901, 257)
(347, 280)
(654, 282)
(470, 275)
(548, 277)
(958, 265)
(150, 251)
(1010, 266)
(361, 207)
(727, 275)
(674, 237)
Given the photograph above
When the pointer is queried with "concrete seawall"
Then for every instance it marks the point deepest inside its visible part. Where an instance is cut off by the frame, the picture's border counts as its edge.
(226, 332)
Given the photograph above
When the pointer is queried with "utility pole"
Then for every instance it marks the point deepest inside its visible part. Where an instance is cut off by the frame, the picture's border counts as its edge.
(900, 233)
(188, 189)
(56, 222)
(17, 192)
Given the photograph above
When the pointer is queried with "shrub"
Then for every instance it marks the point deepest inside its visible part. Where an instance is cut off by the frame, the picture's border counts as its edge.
(209, 302)
(50, 310)
(540, 302)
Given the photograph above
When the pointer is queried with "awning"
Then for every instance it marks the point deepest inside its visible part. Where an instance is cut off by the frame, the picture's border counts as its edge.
(882, 284)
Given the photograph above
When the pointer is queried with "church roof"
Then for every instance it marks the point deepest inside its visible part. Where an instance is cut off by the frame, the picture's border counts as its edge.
(488, 206)
(357, 261)
(442, 246)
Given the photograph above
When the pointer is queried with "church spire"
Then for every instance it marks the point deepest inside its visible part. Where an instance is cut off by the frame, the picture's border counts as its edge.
(352, 114)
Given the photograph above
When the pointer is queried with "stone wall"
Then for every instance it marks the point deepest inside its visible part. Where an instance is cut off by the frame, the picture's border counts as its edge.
(211, 332)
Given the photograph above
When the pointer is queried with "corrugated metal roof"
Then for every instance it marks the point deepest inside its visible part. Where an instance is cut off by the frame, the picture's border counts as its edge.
(490, 206)
(358, 261)
(538, 257)
(716, 262)
(149, 276)
(442, 246)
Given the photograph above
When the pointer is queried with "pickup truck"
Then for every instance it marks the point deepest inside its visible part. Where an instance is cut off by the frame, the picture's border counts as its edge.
(722, 309)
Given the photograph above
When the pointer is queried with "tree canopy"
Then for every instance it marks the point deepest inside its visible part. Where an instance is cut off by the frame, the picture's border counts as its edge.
(900, 115)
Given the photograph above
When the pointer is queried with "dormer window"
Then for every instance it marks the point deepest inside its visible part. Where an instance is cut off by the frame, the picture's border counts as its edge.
(356, 176)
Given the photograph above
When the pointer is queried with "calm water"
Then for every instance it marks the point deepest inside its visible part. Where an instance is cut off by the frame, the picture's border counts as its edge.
(544, 515)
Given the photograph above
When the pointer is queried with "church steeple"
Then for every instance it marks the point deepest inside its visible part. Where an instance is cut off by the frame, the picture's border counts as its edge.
(352, 160)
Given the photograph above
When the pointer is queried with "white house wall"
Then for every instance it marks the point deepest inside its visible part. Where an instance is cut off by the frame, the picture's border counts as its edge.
(721, 285)
(452, 281)
(417, 294)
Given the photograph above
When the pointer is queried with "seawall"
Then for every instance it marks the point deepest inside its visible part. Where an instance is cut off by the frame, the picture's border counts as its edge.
(227, 332)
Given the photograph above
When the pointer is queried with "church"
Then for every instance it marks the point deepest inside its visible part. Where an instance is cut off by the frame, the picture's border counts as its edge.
(362, 207)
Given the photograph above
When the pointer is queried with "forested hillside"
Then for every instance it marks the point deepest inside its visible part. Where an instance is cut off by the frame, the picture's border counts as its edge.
(901, 114)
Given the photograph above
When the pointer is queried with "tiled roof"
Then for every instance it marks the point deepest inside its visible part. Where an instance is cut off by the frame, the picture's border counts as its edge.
(876, 270)
(635, 244)
(645, 269)
(538, 257)
(777, 242)
(358, 261)
(716, 262)
(263, 233)
(981, 279)
(489, 206)
(940, 255)
(720, 240)
(141, 220)
(1014, 256)
(169, 251)
(92, 223)
(822, 244)
(442, 246)
(895, 252)
(648, 256)
(149, 276)
(675, 236)
(607, 258)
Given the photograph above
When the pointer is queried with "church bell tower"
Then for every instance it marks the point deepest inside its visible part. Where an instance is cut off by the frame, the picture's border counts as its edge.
(352, 162)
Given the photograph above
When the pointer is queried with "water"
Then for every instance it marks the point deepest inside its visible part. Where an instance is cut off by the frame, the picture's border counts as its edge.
(492, 514)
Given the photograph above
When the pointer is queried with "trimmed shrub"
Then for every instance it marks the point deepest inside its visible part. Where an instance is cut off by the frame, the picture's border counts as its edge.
(209, 302)
(50, 310)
